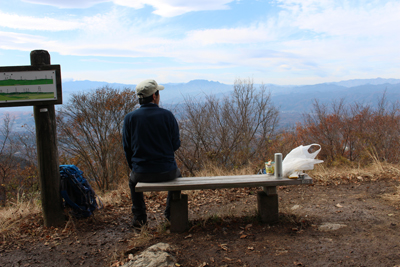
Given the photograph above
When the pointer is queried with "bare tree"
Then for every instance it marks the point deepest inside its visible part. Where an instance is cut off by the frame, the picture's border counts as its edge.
(28, 155)
(354, 132)
(361, 116)
(27, 140)
(383, 130)
(229, 132)
(328, 126)
(90, 133)
(8, 162)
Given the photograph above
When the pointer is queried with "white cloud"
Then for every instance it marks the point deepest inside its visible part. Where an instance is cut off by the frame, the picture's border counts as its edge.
(15, 21)
(128, 3)
(24, 42)
(67, 3)
(164, 8)
(242, 35)
(343, 18)
(171, 8)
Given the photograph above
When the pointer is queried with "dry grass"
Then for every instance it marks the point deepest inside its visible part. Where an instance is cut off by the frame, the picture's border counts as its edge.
(393, 197)
(12, 214)
(215, 170)
(117, 196)
(373, 172)
(16, 212)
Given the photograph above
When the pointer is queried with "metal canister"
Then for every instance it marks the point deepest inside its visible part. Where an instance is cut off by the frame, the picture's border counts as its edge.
(278, 165)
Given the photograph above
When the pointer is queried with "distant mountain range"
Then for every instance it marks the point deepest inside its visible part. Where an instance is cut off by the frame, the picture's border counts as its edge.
(292, 101)
(174, 93)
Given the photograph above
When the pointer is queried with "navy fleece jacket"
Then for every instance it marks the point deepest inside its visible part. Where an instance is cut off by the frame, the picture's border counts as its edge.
(150, 138)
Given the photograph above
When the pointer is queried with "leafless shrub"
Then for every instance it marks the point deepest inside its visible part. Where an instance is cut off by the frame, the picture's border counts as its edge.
(230, 132)
(8, 162)
(352, 133)
(90, 133)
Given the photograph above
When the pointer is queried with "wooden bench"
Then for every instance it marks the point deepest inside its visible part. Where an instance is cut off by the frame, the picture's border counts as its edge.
(267, 199)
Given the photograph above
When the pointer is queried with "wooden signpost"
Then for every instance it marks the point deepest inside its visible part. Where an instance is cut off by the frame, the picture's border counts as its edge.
(39, 85)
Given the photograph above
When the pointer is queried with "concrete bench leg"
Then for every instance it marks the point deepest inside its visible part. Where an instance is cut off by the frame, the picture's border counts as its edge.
(179, 212)
(267, 203)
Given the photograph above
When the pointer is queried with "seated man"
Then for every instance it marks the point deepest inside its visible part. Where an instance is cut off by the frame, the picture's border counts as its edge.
(150, 138)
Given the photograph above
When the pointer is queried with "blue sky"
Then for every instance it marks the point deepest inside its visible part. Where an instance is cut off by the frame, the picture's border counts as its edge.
(277, 41)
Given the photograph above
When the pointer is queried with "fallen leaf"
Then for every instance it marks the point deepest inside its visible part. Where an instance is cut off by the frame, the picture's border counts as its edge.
(339, 206)
(223, 246)
(243, 236)
(390, 214)
(250, 248)
(248, 226)
(188, 236)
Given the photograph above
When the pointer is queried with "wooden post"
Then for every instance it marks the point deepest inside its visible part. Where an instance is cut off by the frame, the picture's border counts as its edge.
(179, 213)
(47, 154)
(267, 204)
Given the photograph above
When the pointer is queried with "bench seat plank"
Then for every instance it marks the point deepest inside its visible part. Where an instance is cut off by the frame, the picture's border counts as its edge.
(215, 182)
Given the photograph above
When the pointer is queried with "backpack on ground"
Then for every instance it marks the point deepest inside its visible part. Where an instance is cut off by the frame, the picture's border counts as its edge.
(77, 192)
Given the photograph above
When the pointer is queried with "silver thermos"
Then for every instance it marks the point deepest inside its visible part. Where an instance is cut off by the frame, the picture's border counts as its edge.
(278, 165)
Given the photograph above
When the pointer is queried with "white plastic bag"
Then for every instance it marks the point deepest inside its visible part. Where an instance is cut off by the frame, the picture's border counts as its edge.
(299, 159)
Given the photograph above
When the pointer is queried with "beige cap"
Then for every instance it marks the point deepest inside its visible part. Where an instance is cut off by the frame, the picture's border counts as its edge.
(147, 88)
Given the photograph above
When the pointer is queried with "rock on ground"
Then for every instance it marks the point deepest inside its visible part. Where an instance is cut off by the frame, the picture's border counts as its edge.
(331, 226)
(155, 256)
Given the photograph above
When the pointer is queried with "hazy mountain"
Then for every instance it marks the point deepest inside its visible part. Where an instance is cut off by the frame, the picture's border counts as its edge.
(176, 92)
(80, 86)
(173, 93)
(292, 101)
(358, 82)
(301, 99)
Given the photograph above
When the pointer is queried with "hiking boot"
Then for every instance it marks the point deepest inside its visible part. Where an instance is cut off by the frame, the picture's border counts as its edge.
(139, 223)
(167, 213)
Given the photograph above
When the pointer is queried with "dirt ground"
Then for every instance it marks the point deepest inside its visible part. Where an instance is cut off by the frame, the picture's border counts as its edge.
(348, 221)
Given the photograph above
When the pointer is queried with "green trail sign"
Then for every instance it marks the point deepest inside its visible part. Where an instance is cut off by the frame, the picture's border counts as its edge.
(39, 85)
(30, 85)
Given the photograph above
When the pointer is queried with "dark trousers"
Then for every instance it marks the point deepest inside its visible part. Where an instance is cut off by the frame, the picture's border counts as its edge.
(138, 204)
